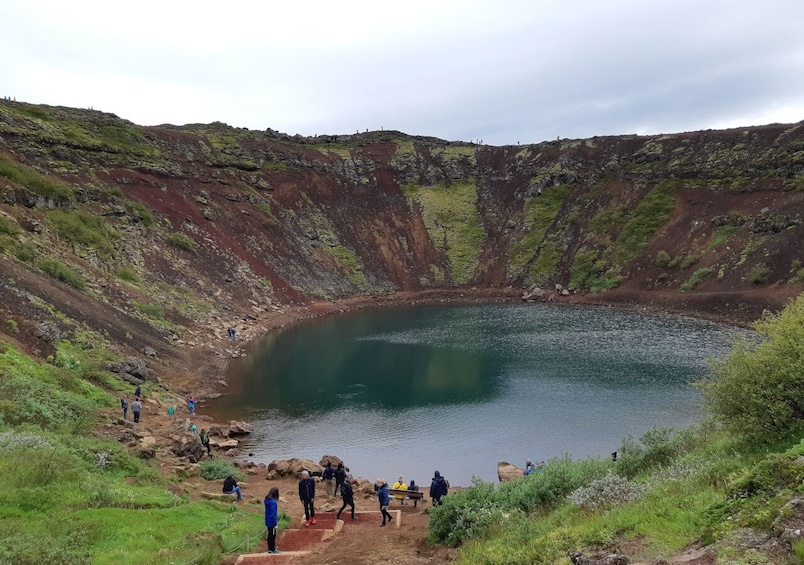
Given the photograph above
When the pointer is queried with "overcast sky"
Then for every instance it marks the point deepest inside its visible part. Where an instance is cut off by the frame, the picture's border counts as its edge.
(504, 71)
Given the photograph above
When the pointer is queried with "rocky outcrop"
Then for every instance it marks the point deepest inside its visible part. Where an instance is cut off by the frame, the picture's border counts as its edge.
(293, 467)
(509, 472)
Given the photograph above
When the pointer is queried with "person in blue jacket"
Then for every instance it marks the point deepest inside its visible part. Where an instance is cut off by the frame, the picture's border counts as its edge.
(382, 495)
(438, 487)
(271, 518)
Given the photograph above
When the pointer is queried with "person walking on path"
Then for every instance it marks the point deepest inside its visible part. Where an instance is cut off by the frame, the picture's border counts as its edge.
(204, 437)
(438, 487)
(272, 518)
(230, 487)
(191, 405)
(340, 477)
(124, 405)
(138, 391)
(348, 494)
(382, 495)
(136, 408)
(327, 476)
(307, 497)
(400, 485)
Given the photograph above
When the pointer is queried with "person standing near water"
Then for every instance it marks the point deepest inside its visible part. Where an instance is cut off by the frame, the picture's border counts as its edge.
(327, 477)
(271, 518)
(307, 497)
(340, 477)
(382, 495)
(348, 494)
(191, 405)
(438, 487)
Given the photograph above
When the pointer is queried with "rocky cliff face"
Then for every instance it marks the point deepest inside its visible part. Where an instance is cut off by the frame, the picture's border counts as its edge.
(174, 226)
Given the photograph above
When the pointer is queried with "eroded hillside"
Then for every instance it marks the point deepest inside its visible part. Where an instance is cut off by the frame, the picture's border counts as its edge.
(165, 228)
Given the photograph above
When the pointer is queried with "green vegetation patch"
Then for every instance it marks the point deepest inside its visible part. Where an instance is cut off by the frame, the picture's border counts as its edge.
(25, 176)
(183, 241)
(648, 216)
(62, 272)
(540, 213)
(350, 263)
(696, 279)
(450, 215)
(82, 229)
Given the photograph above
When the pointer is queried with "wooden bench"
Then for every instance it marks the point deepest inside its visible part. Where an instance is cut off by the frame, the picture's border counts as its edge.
(415, 495)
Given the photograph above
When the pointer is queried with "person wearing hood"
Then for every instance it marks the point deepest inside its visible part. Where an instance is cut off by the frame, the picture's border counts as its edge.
(438, 487)
(271, 518)
(307, 497)
(382, 495)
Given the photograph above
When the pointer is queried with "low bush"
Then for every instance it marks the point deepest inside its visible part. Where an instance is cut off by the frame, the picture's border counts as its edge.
(183, 242)
(696, 278)
(215, 469)
(63, 272)
(611, 490)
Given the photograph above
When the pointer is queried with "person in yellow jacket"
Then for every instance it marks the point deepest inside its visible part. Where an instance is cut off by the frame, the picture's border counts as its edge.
(400, 485)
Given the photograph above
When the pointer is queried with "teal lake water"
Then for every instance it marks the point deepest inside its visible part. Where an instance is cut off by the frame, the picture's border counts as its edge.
(458, 388)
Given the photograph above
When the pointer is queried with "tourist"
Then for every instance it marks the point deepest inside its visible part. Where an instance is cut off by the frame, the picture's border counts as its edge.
(204, 437)
(413, 487)
(340, 477)
(272, 518)
(400, 485)
(348, 494)
(124, 405)
(438, 487)
(307, 497)
(138, 391)
(327, 477)
(194, 429)
(171, 411)
(136, 408)
(381, 487)
(191, 405)
(528, 467)
(230, 487)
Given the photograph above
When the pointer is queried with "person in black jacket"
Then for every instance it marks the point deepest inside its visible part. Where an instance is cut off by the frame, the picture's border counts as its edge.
(340, 477)
(307, 497)
(327, 477)
(438, 488)
(230, 487)
(348, 494)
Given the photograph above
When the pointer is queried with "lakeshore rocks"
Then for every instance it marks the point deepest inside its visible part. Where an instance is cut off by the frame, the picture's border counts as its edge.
(233, 428)
(509, 472)
(285, 467)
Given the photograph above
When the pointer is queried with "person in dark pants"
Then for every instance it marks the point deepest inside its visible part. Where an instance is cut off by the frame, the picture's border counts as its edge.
(271, 518)
(204, 437)
(340, 477)
(348, 494)
(136, 408)
(438, 487)
(124, 405)
(382, 495)
(138, 391)
(307, 497)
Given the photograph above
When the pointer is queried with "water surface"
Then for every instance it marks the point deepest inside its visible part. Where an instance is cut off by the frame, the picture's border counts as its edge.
(458, 388)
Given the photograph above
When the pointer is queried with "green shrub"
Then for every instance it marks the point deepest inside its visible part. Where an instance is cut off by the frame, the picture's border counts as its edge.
(142, 214)
(154, 311)
(215, 469)
(127, 274)
(663, 259)
(609, 491)
(182, 242)
(62, 272)
(655, 448)
(758, 390)
(8, 227)
(696, 279)
(25, 252)
(759, 275)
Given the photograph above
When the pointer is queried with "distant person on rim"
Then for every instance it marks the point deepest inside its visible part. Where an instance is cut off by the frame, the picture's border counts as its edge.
(438, 487)
(307, 497)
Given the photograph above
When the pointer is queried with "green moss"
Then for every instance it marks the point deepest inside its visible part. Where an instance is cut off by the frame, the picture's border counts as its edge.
(25, 176)
(721, 236)
(183, 242)
(648, 216)
(451, 218)
(540, 213)
(350, 264)
(62, 272)
(86, 230)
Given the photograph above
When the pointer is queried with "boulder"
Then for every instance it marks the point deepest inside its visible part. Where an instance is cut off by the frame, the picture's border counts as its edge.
(294, 467)
(237, 428)
(509, 472)
(334, 459)
(224, 443)
(189, 446)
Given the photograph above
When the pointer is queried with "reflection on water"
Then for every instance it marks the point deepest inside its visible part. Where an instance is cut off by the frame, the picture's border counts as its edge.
(459, 388)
